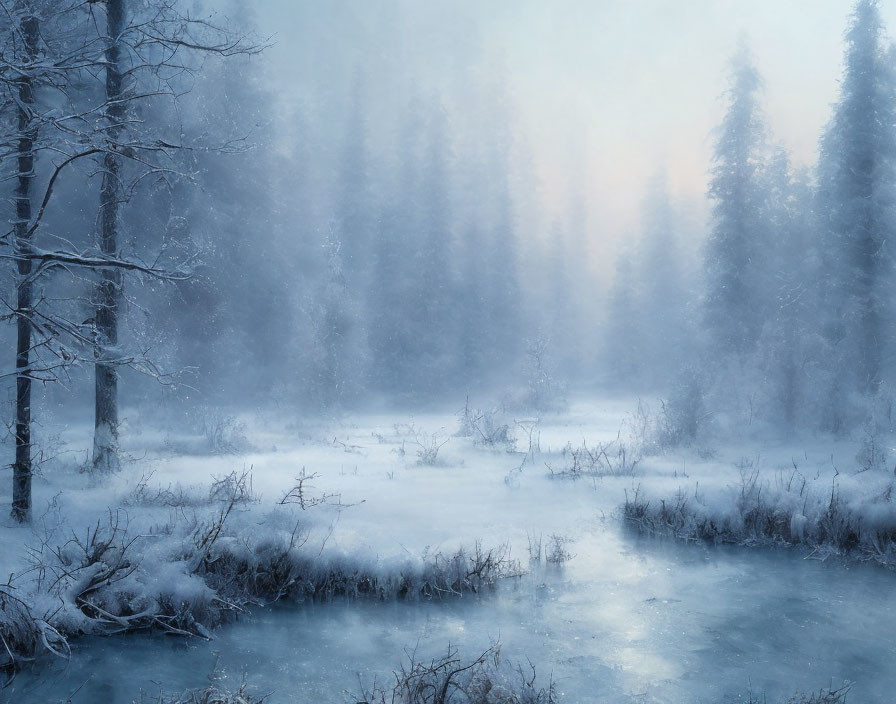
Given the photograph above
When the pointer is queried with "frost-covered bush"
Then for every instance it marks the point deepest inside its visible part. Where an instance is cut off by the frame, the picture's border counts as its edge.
(604, 459)
(426, 445)
(450, 679)
(544, 391)
(683, 413)
(22, 634)
(850, 515)
(224, 434)
(208, 430)
(681, 418)
(489, 429)
(822, 696)
(557, 550)
(183, 562)
(215, 693)
(877, 434)
(466, 418)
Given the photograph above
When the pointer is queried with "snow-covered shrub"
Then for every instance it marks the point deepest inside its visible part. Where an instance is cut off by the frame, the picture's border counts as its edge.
(427, 445)
(235, 486)
(466, 419)
(544, 390)
(609, 459)
(535, 550)
(557, 551)
(300, 493)
(22, 634)
(224, 434)
(681, 418)
(784, 509)
(822, 696)
(100, 581)
(145, 494)
(683, 413)
(873, 454)
(877, 434)
(489, 429)
(451, 679)
(215, 693)
(277, 567)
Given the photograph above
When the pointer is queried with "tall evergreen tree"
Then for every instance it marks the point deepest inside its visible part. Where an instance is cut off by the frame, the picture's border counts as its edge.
(735, 243)
(857, 185)
(339, 366)
(433, 268)
(790, 346)
(396, 321)
(662, 307)
(622, 332)
(355, 214)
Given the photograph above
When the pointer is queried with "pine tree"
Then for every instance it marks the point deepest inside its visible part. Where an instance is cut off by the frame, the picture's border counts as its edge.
(735, 241)
(433, 268)
(623, 333)
(355, 228)
(662, 307)
(857, 178)
(790, 345)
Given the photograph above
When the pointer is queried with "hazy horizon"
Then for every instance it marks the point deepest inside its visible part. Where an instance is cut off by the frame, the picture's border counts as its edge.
(605, 94)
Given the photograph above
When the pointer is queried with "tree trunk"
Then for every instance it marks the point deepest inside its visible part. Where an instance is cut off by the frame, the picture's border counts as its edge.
(105, 438)
(21, 481)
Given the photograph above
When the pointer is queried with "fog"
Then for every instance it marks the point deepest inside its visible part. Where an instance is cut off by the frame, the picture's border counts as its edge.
(404, 204)
(603, 92)
(305, 300)
(505, 147)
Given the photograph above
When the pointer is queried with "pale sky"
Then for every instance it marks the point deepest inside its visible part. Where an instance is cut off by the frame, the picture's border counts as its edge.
(614, 89)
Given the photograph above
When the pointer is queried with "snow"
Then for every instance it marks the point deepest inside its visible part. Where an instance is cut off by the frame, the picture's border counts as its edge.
(385, 513)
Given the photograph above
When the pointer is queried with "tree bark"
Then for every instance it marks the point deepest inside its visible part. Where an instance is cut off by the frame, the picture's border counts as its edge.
(105, 438)
(22, 468)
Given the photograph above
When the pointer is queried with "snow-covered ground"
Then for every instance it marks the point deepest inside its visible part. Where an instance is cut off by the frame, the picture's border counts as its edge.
(258, 508)
(389, 501)
(371, 489)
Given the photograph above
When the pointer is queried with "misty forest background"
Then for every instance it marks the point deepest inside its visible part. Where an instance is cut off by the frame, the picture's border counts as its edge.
(381, 238)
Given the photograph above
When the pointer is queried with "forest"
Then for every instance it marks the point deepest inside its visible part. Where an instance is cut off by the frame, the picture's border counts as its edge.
(436, 353)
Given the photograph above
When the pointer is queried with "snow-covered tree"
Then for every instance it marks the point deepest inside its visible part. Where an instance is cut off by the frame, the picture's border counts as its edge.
(355, 213)
(623, 327)
(342, 361)
(856, 198)
(664, 298)
(788, 361)
(412, 286)
(735, 244)
(20, 92)
(648, 332)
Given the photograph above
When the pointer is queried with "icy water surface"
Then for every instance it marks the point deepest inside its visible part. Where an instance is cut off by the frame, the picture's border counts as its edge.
(627, 620)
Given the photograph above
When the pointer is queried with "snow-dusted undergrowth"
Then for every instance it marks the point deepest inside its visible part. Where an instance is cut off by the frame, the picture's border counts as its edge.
(189, 535)
(202, 564)
(821, 493)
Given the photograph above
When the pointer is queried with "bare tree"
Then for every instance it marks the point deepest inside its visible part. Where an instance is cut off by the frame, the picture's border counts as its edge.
(24, 89)
(105, 435)
(54, 54)
(142, 61)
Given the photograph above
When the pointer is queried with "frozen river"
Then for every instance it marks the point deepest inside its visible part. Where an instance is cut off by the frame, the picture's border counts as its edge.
(626, 620)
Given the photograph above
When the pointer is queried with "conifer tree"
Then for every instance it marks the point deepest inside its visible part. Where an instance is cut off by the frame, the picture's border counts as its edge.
(857, 180)
(735, 243)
